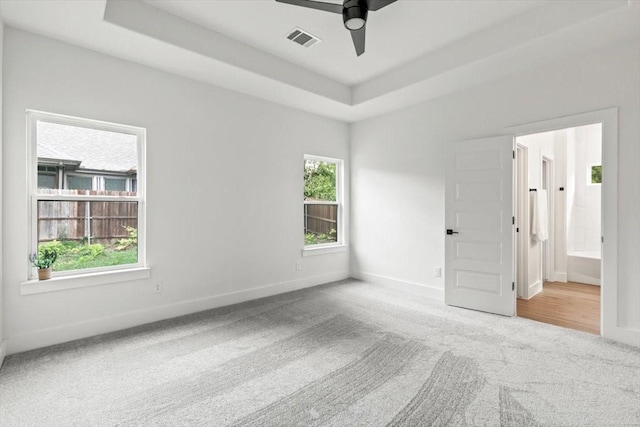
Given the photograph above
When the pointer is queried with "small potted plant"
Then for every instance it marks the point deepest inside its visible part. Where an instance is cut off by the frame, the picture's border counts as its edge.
(43, 262)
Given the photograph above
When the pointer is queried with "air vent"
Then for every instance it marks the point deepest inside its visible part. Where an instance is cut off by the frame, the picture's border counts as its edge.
(303, 38)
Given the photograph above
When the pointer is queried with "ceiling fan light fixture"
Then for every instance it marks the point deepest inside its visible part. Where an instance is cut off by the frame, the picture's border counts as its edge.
(355, 23)
(354, 15)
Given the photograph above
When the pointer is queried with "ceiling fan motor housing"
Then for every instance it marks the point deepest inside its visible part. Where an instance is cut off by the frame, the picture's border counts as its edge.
(354, 14)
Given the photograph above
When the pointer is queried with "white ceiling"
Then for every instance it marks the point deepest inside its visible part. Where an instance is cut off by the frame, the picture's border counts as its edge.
(397, 34)
(416, 50)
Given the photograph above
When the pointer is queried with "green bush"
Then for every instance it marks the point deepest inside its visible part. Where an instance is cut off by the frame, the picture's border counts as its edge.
(77, 255)
(55, 245)
(316, 239)
(128, 242)
(89, 252)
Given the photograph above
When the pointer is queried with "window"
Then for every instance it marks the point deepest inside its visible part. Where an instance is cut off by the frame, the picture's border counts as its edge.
(323, 210)
(46, 181)
(115, 184)
(90, 181)
(75, 182)
(596, 174)
(83, 207)
(47, 176)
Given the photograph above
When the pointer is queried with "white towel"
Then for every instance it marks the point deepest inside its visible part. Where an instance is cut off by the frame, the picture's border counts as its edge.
(539, 215)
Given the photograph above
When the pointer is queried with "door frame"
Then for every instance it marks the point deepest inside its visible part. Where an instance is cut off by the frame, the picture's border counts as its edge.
(521, 198)
(609, 327)
(548, 246)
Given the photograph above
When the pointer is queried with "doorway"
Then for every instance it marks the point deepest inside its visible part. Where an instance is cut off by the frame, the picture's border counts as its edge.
(500, 224)
(559, 234)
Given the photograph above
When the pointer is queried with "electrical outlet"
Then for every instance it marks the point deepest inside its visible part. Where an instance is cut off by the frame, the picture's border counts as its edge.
(437, 271)
(157, 286)
(298, 265)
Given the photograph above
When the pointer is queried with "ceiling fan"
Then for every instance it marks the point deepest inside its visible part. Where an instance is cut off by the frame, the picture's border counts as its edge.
(354, 15)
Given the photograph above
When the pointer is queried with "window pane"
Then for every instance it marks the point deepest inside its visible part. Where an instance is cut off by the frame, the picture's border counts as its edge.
(78, 149)
(89, 234)
(596, 174)
(115, 184)
(320, 224)
(319, 181)
(46, 181)
(79, 182)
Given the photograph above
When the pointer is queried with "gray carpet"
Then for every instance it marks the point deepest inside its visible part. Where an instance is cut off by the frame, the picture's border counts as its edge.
(345, 354)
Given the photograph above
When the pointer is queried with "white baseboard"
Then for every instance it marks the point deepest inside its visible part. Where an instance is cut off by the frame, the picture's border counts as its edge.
(583, 278)
(429, 291)
(534, 289)
(560, 276)
(3, 352)
(623, 335)
(88, 328)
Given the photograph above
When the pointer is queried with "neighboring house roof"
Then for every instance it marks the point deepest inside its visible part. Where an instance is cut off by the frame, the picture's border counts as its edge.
(95, 149)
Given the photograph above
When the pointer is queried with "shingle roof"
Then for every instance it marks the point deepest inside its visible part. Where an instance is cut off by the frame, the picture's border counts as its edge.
(95, 149)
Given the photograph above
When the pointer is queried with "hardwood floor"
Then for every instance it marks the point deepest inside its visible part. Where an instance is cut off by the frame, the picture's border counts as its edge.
(570, 305)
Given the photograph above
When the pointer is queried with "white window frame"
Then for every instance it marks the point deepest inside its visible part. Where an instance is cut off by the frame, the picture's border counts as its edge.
(88, 276)
(340, 244)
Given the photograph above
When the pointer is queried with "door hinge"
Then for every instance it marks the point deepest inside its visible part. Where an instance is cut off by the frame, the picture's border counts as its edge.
(513, 220)
(514, 154)
(513, 286)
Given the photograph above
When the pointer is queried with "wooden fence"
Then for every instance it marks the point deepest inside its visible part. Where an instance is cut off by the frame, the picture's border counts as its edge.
(320, 219)
(91, 221)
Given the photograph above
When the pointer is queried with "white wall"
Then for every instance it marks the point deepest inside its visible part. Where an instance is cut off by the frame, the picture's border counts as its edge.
(397, 164)
(2, 342)
(538, 145)
(225, 188)
(584, 221)
(561, 200)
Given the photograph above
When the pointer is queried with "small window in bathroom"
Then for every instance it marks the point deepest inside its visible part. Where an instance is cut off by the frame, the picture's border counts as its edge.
(596, 174)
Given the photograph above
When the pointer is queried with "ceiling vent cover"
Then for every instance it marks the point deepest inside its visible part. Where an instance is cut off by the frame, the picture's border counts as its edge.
(302, 37)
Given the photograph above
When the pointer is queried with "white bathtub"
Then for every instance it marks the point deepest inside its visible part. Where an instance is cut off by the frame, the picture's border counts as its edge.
(584, 267)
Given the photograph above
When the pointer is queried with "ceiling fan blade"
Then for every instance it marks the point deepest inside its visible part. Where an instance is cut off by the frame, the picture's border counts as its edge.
(378, 4)
(358, 37)
(327, 7)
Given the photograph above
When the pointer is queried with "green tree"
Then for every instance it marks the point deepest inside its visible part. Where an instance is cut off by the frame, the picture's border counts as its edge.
(319, 180)
(596, 174)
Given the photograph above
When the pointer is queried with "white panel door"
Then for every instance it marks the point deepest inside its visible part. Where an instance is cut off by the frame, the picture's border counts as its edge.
(479, 263)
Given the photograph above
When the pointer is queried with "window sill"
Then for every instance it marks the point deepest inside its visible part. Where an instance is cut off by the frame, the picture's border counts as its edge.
(62, 283)
(321, 250)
